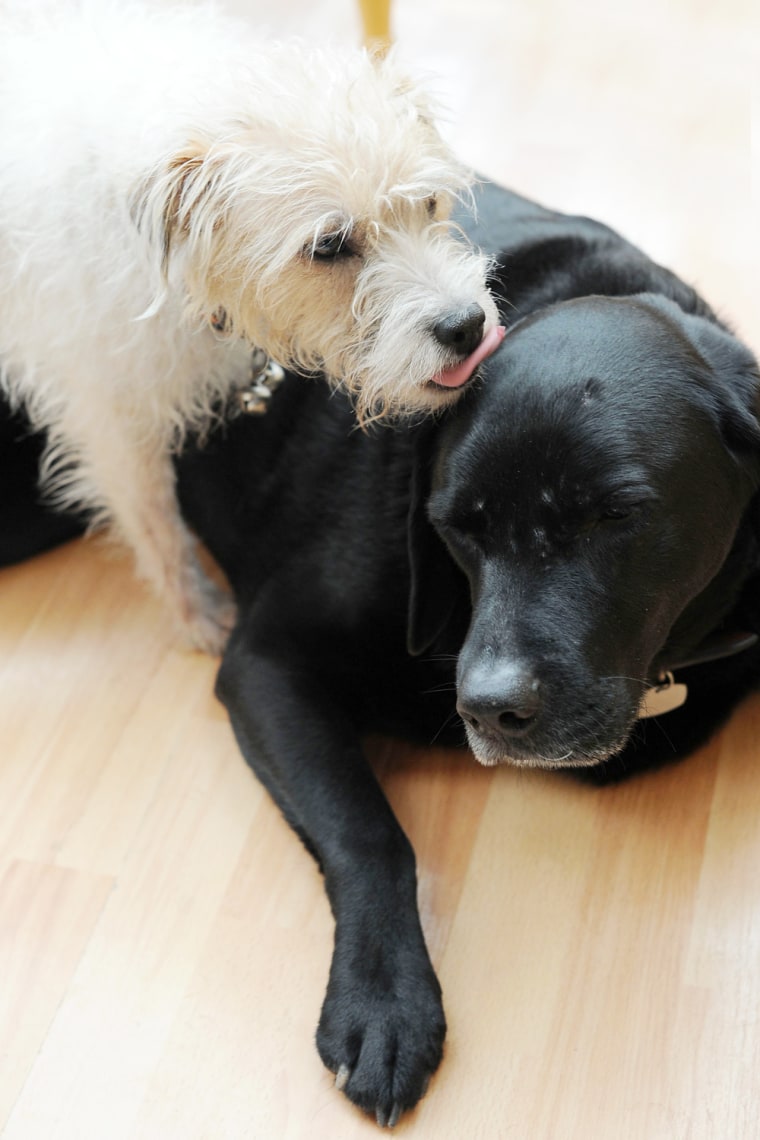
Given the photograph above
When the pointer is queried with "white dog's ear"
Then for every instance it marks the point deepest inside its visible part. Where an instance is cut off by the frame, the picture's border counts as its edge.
(188, 186)
(181, 185)
(173, 201)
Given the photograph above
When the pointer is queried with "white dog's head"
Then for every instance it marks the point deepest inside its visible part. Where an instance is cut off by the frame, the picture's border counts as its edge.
(314, 213)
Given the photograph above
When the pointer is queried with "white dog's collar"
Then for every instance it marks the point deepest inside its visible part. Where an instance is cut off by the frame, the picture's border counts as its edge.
(668, 694)
(266, 375)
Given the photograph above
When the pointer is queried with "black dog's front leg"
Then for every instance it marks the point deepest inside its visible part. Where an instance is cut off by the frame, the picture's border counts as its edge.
(382, 1026)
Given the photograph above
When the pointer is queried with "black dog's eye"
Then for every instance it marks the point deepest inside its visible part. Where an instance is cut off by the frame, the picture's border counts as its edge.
(615, 514)
(618, 510)
(329, 246)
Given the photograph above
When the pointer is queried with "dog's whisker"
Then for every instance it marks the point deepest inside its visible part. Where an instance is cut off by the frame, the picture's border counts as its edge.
(450, 719)
(445, 687)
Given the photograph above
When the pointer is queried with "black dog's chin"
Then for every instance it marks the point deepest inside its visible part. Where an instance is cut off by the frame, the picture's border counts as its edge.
(492, 752)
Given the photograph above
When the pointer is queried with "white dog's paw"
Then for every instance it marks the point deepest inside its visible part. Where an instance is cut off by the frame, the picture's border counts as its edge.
(208, 615)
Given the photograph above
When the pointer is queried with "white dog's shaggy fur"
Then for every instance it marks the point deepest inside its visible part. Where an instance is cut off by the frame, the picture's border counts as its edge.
(159, 166)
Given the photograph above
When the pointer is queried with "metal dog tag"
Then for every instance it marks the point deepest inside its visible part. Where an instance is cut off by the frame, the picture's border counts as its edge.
(662, 698)
(254, 401)
(266, 376)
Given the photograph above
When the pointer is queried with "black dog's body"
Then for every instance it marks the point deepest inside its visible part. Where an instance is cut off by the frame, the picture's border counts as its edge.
(332, 505)
(570, 562)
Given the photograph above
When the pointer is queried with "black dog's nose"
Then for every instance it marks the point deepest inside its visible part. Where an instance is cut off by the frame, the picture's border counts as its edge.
(504, 705)
(462, 330)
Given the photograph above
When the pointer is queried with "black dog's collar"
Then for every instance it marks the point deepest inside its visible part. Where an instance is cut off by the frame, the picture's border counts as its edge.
(669, 694)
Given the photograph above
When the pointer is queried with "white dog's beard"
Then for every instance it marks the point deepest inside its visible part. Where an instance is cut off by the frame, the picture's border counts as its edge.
(383, 348)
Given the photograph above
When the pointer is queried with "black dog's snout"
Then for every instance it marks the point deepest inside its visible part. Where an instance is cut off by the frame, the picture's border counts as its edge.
(462, 330)
(505, 704)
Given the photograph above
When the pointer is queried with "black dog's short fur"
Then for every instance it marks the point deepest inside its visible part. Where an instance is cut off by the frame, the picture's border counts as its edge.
(583, 518)
(27, 526)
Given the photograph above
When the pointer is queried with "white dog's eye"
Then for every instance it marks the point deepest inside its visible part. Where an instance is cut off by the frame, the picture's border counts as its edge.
(329, 246)
(431, 205)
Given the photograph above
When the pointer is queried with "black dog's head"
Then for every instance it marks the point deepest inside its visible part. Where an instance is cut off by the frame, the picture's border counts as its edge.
(591, 490)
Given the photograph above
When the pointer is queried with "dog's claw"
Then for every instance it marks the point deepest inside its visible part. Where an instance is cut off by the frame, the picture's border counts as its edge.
(341, 1077)
(388, 1120)
(395, 1116)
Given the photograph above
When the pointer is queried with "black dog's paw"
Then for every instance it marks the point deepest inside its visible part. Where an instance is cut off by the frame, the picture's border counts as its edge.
(381, 1032)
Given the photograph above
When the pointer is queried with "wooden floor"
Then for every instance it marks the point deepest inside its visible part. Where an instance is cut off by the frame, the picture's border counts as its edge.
(164, 939)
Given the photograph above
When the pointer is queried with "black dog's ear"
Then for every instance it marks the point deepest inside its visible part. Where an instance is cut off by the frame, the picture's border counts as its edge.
(736, 388)
(733, 384)
(435, 581)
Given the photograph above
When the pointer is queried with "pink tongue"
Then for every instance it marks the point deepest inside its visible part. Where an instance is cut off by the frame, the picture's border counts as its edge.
(461, 373)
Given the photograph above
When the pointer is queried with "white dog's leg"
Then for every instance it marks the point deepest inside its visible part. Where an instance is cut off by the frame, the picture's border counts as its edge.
(137, 487)
(149, 521)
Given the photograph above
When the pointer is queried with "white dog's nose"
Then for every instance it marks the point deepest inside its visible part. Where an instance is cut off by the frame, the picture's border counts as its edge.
(461, 330)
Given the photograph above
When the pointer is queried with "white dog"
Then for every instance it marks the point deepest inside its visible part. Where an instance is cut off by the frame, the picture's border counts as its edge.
(174, 192)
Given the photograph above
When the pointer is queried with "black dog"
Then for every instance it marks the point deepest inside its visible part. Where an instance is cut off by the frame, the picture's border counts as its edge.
(581, 525)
